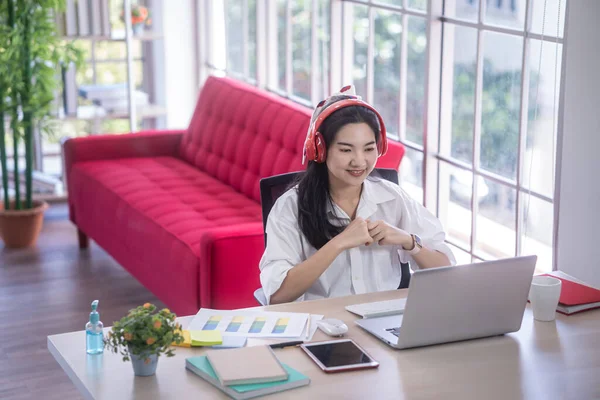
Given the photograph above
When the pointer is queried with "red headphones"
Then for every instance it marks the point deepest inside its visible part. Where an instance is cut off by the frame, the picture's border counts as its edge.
(314, 146)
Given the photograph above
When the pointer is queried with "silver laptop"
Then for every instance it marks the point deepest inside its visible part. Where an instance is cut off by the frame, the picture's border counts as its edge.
(464, 302)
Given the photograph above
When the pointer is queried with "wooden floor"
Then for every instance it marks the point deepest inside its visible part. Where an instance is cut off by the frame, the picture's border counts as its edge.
(48, 290)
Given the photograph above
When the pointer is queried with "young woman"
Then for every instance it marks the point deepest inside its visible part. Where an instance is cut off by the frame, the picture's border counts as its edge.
(339, 231)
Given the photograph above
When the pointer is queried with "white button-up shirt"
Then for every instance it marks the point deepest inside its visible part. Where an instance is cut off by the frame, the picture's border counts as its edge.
(358, 270)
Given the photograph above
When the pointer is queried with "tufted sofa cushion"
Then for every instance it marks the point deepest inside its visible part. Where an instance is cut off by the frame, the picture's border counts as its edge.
(239, 134)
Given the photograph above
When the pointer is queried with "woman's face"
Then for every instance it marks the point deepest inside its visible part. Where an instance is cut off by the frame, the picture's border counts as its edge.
(352, 155)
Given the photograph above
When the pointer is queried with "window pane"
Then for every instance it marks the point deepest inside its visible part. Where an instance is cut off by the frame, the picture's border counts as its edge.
(454, 209)
(85, 46)
(462, 9)
(138, 72)
(542, 114)
(361, 35)
(458, 105)
(218, 38)
(115, 9)
(552, 22)
(116, 50)
(301, 57)
(501, 103)
(85, 74)
(109, 73)
(415, 90)
(538, 224)
(508, 13)
(411, 173)
(388, 32)
(281, 39)
(324, 29)
(495, 235)
(115, 126)
(462, 257)
(252, 39)
(392, 2)
(235, 37)
(418, 4)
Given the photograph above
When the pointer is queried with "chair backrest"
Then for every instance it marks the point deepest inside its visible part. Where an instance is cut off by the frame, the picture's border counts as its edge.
(274, 186)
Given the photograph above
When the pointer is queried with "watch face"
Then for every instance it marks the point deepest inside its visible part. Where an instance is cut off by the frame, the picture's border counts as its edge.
(418, 241)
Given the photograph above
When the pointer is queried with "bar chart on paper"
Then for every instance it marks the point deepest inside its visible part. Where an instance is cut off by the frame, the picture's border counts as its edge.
(235, 324)
(249, 323)
(281, 325)
(212, 323)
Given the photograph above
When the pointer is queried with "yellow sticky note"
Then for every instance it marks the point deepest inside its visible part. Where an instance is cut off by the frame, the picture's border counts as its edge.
(187, 340)
(206, 338)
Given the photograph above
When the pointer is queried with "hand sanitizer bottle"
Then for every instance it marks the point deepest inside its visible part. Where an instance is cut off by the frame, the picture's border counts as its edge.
(93, 332)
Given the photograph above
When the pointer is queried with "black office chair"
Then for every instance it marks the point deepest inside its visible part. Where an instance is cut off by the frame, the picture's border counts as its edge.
(274, 186)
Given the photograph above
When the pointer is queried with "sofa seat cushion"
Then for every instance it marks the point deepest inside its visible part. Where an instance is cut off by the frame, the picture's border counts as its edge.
(151, 214)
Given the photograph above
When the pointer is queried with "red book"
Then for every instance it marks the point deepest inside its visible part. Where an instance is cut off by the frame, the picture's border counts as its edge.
(575, 297)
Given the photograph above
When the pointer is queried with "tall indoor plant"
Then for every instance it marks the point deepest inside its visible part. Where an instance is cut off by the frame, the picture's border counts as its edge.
(31, 50)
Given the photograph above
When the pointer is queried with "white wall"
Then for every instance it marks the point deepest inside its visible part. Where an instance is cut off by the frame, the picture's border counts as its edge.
(180, 61)
(578, 179)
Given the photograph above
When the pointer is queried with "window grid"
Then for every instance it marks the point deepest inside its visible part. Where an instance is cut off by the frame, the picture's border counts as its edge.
(341, 20)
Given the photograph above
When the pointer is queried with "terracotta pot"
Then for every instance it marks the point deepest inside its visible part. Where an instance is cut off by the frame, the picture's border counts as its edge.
(21, 228)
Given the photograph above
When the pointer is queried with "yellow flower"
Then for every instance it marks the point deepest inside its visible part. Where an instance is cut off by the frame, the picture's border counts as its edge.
(157, 324)
(147, 305)
(166, 311)
(127, 336)
(150, 341)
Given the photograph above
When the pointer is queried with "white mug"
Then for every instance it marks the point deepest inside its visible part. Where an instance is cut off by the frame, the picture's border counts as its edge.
(544, 295)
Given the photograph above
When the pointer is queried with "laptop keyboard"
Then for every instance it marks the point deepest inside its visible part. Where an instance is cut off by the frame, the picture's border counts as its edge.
(394, 331)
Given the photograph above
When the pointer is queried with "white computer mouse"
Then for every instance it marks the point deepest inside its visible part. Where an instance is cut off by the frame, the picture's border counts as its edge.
(332, 326)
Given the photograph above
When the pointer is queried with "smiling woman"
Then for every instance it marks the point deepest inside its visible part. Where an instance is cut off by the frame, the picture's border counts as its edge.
(339, 231)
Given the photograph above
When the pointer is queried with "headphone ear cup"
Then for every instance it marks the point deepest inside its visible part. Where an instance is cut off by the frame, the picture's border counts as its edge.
(382, 146)
(320, 148)
(309, 150)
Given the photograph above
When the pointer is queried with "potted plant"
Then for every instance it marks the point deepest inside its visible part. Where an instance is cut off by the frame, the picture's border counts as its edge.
(143, 335)
(140, 16)
(30, 52)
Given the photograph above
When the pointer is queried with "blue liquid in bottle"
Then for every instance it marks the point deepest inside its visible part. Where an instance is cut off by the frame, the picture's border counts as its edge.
(93, 332)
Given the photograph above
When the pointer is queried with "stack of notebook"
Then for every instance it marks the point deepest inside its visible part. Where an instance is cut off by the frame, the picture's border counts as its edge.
(576, 297)
(247, 372)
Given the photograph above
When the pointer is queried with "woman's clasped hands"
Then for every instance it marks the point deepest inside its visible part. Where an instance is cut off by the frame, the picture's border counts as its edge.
(365, 232)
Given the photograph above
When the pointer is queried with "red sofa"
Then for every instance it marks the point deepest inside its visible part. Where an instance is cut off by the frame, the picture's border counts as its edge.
(180, 209)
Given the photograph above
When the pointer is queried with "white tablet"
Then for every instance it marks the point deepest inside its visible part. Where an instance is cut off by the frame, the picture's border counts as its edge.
(339, 355)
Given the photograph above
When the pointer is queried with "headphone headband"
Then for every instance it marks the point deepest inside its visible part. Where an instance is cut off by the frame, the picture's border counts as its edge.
(314, 146)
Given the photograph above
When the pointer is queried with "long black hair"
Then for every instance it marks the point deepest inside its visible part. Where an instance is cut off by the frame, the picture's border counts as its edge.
(313, 187)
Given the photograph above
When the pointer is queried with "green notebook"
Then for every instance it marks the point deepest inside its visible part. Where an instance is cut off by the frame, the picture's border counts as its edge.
(201, 367)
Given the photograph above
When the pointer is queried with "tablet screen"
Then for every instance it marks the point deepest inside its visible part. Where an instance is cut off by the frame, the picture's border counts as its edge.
(338, 353)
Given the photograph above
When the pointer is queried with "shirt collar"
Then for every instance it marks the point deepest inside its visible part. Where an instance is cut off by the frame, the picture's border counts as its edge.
(373, 193)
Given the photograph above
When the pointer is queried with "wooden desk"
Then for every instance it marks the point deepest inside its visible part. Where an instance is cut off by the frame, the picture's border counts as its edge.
(544, 360)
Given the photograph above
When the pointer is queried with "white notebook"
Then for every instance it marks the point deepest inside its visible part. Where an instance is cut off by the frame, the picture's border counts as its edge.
(257, 364)
(378, 308)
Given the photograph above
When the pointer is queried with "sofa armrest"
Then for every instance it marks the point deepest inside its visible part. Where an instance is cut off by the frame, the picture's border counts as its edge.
(229, 273)
(106, 147)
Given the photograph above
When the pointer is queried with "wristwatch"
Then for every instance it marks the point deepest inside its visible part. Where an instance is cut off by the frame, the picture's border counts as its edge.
(417, 245)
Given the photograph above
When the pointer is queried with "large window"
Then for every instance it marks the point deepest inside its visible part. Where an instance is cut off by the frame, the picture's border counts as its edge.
(470, 87)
